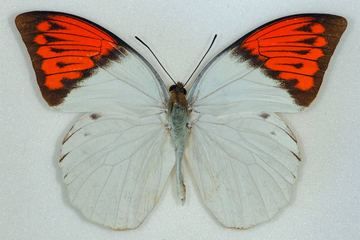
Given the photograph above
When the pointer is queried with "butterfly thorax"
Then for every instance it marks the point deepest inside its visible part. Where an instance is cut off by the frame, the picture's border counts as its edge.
(178, 114)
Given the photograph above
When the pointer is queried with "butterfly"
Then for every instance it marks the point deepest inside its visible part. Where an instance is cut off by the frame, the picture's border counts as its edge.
(138, 128)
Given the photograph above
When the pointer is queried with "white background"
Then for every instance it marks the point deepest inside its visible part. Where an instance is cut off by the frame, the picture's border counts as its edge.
(326, 203)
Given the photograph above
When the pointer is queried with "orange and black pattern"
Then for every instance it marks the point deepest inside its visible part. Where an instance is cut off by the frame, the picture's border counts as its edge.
(294, 50)
(66, 49)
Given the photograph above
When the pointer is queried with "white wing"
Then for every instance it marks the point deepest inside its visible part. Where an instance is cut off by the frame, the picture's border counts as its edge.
(244, 166)
(243, 157)
(115, 167)
(124, 86)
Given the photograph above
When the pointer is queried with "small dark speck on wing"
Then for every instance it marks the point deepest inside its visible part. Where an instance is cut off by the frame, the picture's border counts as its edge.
(62, 158)
(264, 115)
(298, 158)
(69, 135)
(95, 116)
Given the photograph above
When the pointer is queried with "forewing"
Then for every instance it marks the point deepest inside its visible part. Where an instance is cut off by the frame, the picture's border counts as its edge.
(244, 166)
(115, 167)
(82, 67)
(278, 67)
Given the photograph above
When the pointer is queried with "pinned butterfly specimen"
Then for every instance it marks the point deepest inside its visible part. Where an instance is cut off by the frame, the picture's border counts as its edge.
(137, 128)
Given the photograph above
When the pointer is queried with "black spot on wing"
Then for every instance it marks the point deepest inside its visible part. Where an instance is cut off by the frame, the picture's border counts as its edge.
(264, 115)
(62, 158)
(298, 158)
(62, 64)
(69, 135)
(95, 116)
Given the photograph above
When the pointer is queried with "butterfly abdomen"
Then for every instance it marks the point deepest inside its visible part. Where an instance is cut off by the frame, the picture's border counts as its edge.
(178, 118)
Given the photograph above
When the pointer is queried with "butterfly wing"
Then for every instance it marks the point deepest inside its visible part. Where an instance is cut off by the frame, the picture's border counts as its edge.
(82, 67)
(243, 157)
(278, 67)
(115, 167)
(244, 166)
(116, 162)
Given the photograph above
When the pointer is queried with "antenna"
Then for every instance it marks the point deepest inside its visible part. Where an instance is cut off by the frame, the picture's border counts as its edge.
(137, 38)
(201, 59)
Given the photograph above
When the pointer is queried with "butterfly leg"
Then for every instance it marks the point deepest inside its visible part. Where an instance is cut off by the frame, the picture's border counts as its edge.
(164, 120)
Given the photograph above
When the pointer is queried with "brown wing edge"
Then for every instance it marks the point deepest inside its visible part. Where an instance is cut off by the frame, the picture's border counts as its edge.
(335, 26)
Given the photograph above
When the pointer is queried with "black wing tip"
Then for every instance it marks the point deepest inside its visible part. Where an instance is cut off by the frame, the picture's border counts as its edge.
(332, 19)
(23, 19)
(316, 15)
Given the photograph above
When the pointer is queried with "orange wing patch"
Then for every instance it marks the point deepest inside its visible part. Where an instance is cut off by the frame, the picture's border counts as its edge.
(66, 49)
(294, 50)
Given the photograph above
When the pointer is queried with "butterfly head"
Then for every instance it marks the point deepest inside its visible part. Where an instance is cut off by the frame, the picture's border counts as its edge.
(178, 88)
